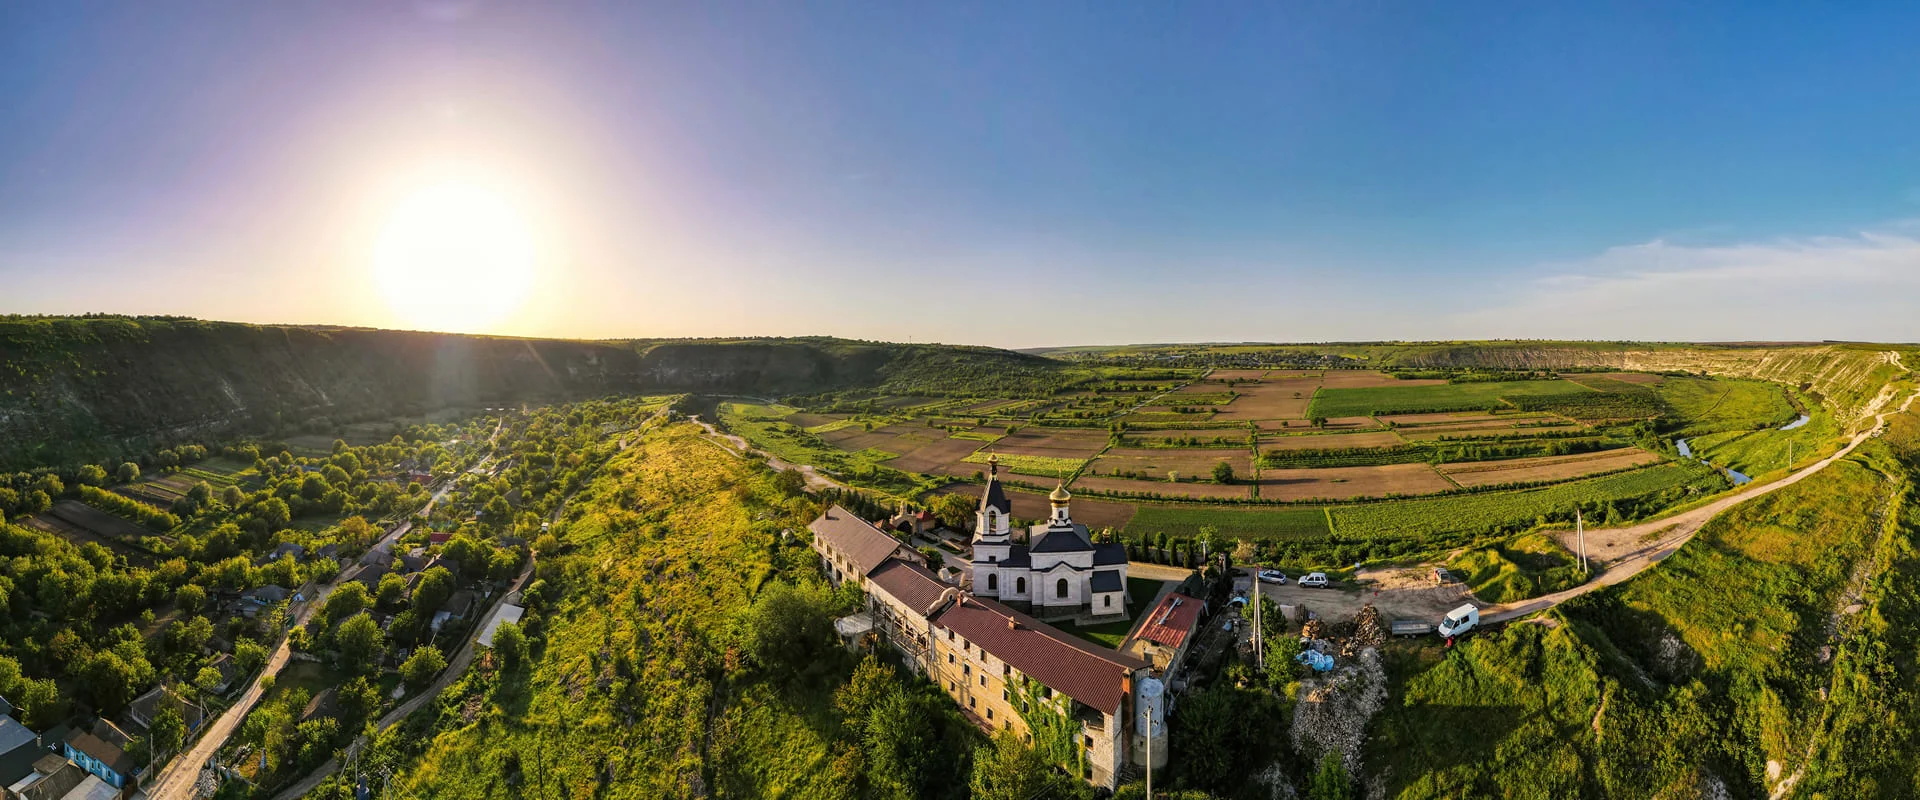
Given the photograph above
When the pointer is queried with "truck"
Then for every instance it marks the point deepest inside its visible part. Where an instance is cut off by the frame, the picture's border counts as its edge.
(1410, 627)
(1460, 620)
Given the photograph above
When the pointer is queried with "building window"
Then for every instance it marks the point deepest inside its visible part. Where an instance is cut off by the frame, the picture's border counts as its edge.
(972, 704)
(1109, 600)
(966, 669)
(992, 559)
(1060, 589)
(1019, 585)
(951, 687)
(1006, 696)
(989, 712)
(1089, 742)
(983, 679)
(949, 658)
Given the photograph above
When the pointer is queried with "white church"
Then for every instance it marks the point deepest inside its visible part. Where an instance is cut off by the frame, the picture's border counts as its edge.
(1056, 570)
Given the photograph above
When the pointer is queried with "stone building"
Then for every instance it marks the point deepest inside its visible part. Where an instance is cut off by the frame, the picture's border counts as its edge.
(1057, 571)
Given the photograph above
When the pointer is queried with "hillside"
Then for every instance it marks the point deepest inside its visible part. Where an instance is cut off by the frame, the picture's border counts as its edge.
(91, 389)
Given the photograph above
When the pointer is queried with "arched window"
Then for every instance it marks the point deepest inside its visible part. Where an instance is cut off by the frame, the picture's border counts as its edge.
(993, 583)
(1019, 585)
(1060, 589)
(1109, 601)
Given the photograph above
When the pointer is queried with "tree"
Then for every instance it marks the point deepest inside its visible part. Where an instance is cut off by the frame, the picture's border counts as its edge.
(358, 699)
(787, 627)
(345, 601)
(510, 645)
(360, 642)
(954, 511)
(127, 472)
(1010, 769)
(900, 741)
(435, 586)
(113, 678)
(1222, 472)
(422, 666)
(167, 731)
(249, 655)
(190, 598)
(39, 699)
(1317, 421)
(232, 497)
(189, 636)
(1331, 782)
(393, 588)
(275, 511)
(90, 475)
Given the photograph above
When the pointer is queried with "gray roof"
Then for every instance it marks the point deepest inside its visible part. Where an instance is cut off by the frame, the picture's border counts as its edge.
(864, 545)
(1108, 580)
(1017, 556)
(14, 735)
(1060, 540)
(995, 497)
(1109, 554)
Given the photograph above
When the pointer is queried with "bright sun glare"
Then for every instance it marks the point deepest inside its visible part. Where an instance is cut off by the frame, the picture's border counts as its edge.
(454, 252)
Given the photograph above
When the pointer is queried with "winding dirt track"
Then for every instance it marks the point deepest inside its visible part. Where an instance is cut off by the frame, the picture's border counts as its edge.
(1675, 531)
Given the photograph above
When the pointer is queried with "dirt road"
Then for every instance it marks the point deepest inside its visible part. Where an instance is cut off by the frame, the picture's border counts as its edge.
(1663, 537)
(740, 446)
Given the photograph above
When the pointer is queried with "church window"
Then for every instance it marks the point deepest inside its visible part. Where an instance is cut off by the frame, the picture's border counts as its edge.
(1109, 599)
(991, 558)
(1060, 589)
(1019, 585)
(993, 583)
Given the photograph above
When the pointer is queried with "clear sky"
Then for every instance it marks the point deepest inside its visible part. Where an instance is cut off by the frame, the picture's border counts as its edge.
(1015, 174)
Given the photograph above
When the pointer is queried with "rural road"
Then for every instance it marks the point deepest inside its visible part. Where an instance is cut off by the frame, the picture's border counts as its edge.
(177, 781)
(740, 446)
(1675, 531)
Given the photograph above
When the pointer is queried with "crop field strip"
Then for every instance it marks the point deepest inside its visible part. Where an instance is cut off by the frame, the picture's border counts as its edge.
(1545, 468)
(1476, 512)
(1330, 441)
(1032, 505)
(1159, 488)
(1431, 397)
(1238, 522)
(1342, 483)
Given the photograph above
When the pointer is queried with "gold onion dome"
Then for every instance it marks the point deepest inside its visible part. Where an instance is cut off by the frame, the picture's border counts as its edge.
(1059, 494)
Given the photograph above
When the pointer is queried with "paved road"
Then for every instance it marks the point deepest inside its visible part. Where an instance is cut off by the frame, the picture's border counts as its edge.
(1679, 529)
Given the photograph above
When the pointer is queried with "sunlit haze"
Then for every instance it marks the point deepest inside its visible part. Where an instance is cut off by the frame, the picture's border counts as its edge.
(998, 174)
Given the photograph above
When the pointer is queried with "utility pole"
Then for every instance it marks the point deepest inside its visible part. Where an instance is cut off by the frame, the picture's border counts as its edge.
(1580, 531)
(1259, 650)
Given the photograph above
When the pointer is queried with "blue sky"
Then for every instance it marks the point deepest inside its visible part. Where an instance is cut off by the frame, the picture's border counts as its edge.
(1002, 174)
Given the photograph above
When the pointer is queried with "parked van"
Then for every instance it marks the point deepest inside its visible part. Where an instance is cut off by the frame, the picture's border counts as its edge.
(1460, 620)
(1314, 580)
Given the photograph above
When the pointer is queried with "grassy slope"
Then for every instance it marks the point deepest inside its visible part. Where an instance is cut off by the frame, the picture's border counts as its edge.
(667, 543)
(1704, 666)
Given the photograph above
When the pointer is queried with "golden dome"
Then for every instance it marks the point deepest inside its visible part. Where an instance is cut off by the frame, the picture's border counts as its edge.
(1060, 494)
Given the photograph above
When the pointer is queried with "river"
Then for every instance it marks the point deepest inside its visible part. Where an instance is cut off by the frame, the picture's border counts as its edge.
(1733, 475)
(1804, 419)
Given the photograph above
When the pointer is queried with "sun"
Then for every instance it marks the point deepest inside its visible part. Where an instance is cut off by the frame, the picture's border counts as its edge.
(454, 251)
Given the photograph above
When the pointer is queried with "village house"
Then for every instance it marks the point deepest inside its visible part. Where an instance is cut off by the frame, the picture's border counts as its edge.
(850, 547)
(1165, 635)
(102, 752)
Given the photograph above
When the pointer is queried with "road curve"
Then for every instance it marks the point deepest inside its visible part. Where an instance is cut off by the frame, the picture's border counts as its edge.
(1679, 529)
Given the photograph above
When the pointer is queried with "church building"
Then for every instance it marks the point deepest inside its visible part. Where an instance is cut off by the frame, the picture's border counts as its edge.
(1056, 570)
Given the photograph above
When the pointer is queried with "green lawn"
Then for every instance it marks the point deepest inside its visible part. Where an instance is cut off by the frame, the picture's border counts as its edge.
(1111, 634)
(1441, 397)
(1703, 405)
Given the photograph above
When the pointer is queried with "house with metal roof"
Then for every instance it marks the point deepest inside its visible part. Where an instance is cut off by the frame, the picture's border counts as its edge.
(851, 547)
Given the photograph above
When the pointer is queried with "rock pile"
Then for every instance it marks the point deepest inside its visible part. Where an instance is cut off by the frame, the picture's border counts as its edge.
(1334, 709)
(1368, 631)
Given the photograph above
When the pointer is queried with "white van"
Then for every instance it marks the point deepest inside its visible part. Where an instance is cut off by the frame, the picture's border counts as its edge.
(1460, 620)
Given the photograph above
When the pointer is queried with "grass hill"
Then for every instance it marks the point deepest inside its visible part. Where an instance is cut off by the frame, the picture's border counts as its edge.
(94, 388)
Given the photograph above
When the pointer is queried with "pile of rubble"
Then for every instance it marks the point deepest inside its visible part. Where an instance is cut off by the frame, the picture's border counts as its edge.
(1313, 630)
(1334, 709)
(1368, 631)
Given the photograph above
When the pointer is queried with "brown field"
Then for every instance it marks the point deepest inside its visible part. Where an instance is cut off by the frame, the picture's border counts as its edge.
(1295, 373)
(1156, 462)
(1163, 488)
(1331, 441)
(1028, 505)
(982, 407)
(896, 439)
(80, 535)
(100, 522)
(1455, 417)
(1505, 429)
(1274, 399)
(1367, 379)
(1052, 442)
(1334, 424)
(1220, 375)
(935, 454)
(1153, 417)
(1335, 483)
(1545, 468)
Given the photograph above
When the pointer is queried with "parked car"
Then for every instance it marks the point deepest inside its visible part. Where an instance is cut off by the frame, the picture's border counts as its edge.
(1460, 620)
(1273, 576)
(1314, 580)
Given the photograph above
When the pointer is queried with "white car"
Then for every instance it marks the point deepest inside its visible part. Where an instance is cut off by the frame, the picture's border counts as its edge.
(1273, 576)
(1460, 620)
(1314, 580)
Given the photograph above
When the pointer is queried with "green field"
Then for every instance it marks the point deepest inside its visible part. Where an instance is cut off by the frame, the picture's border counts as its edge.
(1444, 397)
(1043, 466)
(1477, 513)
(1758, 453)
(1702, 406)
(1241, 523)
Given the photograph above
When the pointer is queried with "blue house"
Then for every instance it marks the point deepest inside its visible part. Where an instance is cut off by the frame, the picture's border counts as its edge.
(104, 760)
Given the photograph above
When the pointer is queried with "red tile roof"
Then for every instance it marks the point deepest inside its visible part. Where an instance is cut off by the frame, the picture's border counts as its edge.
(1095, 676)
(866, 546)
(911, 584)
(1171, 621)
